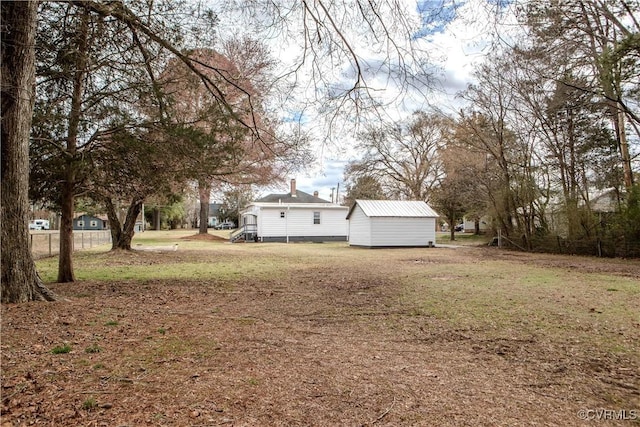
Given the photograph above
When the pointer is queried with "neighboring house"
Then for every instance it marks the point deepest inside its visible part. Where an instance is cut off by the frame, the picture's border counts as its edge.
(391, 223)
(214, 212)
(484, 224)
(89, 222)
(292, 217)
(607, 201)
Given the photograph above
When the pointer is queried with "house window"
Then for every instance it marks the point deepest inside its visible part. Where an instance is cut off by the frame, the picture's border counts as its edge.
(80, 223)
(93, 224)
(281, 214)
(316, 217)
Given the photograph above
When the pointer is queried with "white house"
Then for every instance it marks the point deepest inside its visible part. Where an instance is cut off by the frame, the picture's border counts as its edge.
(391, 223)
(469, 224)
(292, 217)
(608, 200)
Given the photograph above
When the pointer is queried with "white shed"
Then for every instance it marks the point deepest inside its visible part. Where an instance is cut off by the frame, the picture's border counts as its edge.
(391, 223)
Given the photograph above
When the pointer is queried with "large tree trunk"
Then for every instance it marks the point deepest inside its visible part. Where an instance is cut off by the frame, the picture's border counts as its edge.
(20, 280)
(122, 233)
(65, 264)
(114, 223)
(452, 227)
(129, 227)
(624, 148)
(65, 260)
(157, 222)
(205, 197)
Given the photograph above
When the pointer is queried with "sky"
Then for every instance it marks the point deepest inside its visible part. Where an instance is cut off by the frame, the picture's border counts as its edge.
(458, 40)
(455, 39)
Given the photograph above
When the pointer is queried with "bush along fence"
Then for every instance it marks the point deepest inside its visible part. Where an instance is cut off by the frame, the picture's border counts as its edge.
(596, 246)
(44, 244)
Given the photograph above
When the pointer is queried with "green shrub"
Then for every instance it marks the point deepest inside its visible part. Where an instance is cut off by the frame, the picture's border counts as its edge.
(61, 349)
(89, 404)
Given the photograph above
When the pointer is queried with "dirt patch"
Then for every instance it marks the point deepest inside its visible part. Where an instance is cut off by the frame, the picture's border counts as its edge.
(323, 344)
(205, 237)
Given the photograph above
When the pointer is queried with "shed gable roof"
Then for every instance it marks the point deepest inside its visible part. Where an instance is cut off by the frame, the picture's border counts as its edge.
(394, 208)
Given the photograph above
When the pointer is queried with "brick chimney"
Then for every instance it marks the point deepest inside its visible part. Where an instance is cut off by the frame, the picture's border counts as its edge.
(315, 193)
(293, 188)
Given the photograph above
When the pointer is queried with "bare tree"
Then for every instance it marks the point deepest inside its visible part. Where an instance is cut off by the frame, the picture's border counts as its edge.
(492, 126)
(570, 127)
(234, 199)
(348, 59)
(598, 38)
(404, 157)
(463, 190)
(362, 187)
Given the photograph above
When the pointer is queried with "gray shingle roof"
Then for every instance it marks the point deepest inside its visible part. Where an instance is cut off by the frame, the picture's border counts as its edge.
(301, 197)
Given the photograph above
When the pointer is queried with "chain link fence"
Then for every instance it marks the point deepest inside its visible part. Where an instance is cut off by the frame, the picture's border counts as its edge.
(47, 243)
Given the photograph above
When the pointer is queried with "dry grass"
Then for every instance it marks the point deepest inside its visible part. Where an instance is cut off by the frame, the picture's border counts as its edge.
(324, 334)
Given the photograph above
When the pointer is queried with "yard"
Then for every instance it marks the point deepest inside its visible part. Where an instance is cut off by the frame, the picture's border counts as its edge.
(323, 334)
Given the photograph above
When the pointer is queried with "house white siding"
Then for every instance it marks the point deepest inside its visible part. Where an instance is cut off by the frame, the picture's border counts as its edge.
(332, 222)
(297, 223)
(270, 224)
